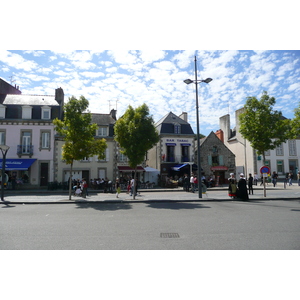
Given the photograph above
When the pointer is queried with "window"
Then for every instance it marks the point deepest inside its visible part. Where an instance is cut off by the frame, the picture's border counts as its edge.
(26, 142)
(106, 155)
(279, 150)
(122, 157)
(267, 153)
(2, 137)
(185, 153)
(45, 140)
(46, 113)
(2, 111)
(177, 128)
(280, 166)
(102, 131)
(170, 154)
(26, 112)
(292, 148)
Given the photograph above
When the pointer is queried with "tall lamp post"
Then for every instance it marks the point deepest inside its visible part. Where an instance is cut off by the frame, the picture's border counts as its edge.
(4, 149)
(189, 81)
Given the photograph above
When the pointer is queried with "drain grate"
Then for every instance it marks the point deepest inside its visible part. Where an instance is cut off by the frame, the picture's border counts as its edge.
(169, 235)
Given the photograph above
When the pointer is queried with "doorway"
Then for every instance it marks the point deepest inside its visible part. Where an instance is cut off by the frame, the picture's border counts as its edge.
(44, 174)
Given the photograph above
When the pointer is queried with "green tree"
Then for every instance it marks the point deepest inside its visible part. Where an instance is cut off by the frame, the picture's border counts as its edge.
(79, 134)
(136, 134)
(295, 124)
(262, 126)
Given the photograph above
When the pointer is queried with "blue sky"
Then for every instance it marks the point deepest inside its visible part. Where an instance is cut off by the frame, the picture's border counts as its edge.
(118, 78)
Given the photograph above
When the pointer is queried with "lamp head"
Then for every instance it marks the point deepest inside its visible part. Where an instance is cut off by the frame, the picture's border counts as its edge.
(188, 81)
(207, 80)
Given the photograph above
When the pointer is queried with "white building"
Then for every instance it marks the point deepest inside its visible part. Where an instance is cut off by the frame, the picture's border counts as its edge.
(282, 160)
(26, 127)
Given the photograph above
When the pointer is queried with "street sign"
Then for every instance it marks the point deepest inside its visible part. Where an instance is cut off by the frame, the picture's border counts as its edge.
(265, 169)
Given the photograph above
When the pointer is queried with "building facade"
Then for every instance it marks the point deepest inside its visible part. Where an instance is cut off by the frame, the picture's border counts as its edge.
(26, 126)
(173, 155)
(217, 161)
(282, 160)
(90, 168)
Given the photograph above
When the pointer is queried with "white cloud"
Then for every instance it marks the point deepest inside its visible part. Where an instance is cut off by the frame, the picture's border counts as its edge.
(150, 56)
(17, 61)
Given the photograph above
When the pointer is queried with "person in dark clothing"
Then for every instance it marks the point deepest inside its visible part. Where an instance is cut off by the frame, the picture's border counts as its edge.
(242, 188)
(186, 183)
(250, 183)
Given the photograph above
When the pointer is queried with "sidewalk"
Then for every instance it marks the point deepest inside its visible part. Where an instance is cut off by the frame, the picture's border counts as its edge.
(148, 195)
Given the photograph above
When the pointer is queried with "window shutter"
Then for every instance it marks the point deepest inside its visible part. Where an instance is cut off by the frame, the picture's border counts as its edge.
(221, 161)
(209, 160)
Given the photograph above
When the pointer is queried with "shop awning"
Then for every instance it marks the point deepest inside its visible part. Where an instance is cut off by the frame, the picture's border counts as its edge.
(17, 163)
(128, 169)
(178, 167)
(219, 168)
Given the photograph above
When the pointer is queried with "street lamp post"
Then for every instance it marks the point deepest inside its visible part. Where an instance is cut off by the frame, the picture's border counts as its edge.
(4, 149)
(188, 81)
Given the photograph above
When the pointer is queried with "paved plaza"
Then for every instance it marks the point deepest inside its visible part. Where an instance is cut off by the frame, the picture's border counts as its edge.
(212, 194)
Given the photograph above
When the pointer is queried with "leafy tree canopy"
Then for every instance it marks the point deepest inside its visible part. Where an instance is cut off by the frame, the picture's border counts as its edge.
(262, 126)
(78, 132)
(136, 134)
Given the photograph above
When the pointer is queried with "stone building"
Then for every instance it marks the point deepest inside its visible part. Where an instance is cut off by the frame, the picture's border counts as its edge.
(217, 161)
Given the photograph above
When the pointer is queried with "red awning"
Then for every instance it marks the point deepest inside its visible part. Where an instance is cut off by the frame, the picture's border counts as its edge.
(219, 168)
(128, 169)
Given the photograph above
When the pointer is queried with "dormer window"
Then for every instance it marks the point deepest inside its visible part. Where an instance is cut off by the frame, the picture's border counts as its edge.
(177, 128)
(46, 113)
(102, 131)
(26, 112)
(2, 111)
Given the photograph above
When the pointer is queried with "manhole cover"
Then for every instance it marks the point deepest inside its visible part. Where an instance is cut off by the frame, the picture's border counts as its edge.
(169, 235)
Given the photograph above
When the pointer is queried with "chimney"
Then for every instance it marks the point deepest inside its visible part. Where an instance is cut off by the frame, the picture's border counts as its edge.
(113, 114)
(184, 116)
(225, 127)
(220, 135)
(59, 97)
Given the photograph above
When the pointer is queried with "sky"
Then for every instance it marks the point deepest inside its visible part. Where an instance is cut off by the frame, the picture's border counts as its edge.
(115, 79)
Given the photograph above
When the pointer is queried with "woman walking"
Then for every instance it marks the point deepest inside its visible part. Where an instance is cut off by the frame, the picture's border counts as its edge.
(118, 188)
(232, 186)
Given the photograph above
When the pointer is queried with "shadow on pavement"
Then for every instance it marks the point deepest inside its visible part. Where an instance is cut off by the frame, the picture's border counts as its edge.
(104, 206)
(7, 205)
(176, 205)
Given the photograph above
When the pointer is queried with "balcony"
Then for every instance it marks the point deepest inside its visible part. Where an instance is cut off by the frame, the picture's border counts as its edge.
(25, 150)
(178, 158)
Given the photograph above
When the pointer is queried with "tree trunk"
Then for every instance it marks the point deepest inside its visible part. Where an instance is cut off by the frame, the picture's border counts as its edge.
(70, 182)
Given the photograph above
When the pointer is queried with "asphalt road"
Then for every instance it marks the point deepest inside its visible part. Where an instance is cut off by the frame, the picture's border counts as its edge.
(182, 225)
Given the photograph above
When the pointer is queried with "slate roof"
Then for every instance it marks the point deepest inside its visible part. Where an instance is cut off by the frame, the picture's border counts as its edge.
(166, 125)
(30, 100)
(103, 119)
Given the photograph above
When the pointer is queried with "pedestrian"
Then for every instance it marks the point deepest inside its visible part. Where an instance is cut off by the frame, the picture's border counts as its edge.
(232, 186)
(255, 178)
(298, 178)
(118, 188)
(186, 183)
(290, 178)
(132, 187)
(84, 188)
(242, 188)
(195, 183)
(250, 183)
(274, 178)
(192, 183)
